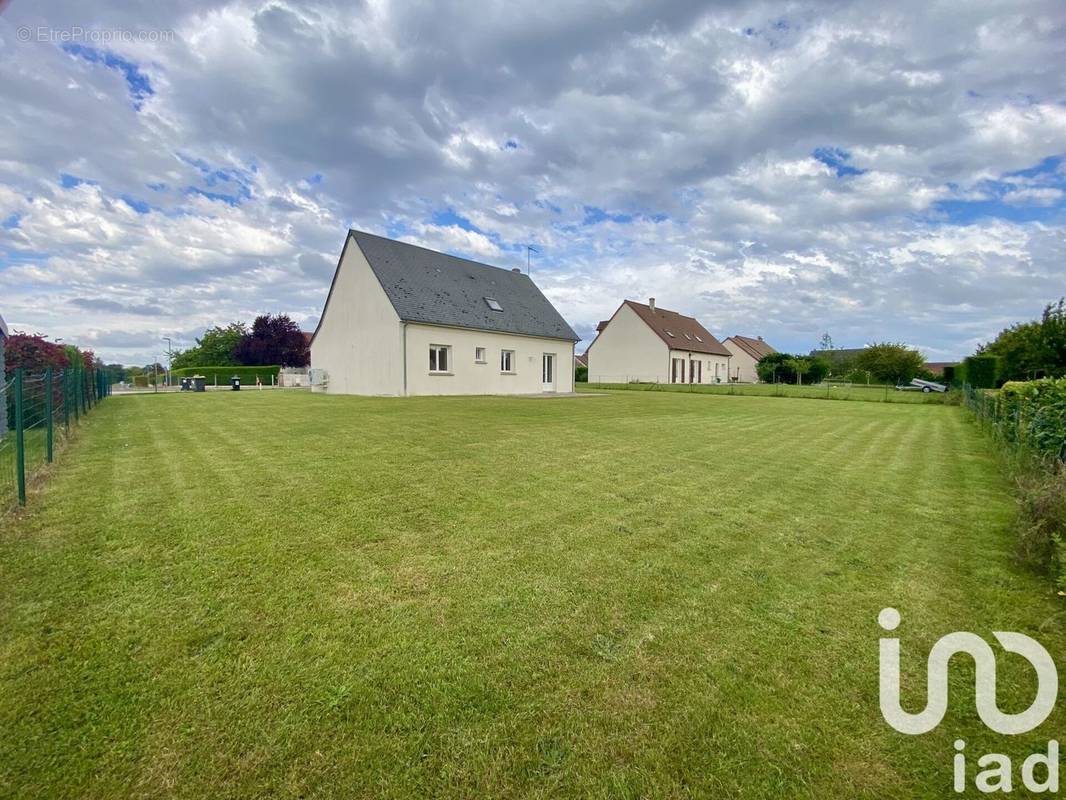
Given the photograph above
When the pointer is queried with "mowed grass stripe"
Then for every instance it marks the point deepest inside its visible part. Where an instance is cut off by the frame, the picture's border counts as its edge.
(640, 594)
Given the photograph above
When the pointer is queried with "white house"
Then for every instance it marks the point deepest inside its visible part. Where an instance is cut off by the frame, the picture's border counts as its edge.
(647, 343)
(747, 352)
(403, 320)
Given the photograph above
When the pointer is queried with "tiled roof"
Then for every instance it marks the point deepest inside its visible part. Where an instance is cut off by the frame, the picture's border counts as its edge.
(678, 331)
(427, 286)
(756, 348)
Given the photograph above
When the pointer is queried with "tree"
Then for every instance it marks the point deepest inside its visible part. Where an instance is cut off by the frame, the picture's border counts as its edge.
(116, 373)
(274, 340)
(786, 368)
(890, 362)
(1032, 349)
(216, 348)
(33, 353)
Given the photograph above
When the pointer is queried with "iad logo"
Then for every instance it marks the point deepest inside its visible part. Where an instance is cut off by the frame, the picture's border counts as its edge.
(997, 776)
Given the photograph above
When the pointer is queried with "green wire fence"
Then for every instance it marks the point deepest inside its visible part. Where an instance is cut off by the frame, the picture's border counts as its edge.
(38, 410)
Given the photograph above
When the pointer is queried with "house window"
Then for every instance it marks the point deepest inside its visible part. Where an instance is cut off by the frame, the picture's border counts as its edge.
(439, 357)
(480, 356)
(493, 304)
(507, 361)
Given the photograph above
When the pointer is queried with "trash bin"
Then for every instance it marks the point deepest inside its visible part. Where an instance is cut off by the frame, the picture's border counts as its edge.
(235, 383)
(186, 384)
(199, 383)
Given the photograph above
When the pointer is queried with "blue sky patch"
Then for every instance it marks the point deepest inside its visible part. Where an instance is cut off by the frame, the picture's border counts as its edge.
(448, 217)
(140, 88)
(11, 222)
(837, 159)
(1025, 195)
(68, 181)
(139, 206)
(594, 216)
(233, 186)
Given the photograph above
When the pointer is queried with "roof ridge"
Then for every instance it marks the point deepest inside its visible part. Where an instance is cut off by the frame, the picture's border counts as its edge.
(512, 270)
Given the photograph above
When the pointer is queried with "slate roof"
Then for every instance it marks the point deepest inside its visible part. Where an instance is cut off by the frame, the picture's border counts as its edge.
(678, 331)
(756, 348)
(438, 289)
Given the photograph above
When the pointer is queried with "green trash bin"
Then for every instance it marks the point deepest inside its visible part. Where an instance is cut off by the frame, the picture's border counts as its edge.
(199, 383)
(235, 383)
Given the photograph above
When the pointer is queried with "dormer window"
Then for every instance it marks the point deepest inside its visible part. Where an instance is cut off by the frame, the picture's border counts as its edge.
(493, 304)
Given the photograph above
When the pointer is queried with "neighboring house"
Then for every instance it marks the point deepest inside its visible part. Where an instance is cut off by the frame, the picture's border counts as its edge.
(747, 352)
(404, 320)
(581, 360)
(937, 367)
(3, 380)
(650, 344)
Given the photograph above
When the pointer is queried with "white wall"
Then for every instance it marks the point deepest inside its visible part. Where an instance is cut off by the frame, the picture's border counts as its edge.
(468, 377)
(743, 362)
(709, 363)
(359, 340)
(628, 350)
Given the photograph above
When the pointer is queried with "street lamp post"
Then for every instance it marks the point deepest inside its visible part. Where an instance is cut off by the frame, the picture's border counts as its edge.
(170, 358)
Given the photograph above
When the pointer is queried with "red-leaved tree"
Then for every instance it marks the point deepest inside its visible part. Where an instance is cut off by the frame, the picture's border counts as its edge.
(32, 353)
(273, 340)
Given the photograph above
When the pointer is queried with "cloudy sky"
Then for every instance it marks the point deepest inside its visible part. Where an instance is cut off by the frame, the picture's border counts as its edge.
(880, 171)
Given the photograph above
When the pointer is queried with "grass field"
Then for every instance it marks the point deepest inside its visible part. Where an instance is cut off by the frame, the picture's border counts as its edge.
(642, 594)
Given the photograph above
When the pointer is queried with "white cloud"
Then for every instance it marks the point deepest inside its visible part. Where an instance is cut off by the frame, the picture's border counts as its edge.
(662, 150)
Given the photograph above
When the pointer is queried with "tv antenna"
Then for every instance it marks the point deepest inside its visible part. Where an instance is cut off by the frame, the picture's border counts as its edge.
(529, 250)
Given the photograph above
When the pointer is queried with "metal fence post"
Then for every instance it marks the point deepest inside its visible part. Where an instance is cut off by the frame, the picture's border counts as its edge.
(66, 399)
(49, 402)
(20, 439)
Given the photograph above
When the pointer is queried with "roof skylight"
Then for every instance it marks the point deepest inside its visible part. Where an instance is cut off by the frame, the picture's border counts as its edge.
(493, 304)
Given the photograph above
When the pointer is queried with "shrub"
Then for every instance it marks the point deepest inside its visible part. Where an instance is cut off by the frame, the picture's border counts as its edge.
(222, 374)
(1030, 417)
(1042, 518)
(581, 374)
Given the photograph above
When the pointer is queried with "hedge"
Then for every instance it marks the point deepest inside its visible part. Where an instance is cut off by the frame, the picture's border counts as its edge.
(981, 372)
(221, 375)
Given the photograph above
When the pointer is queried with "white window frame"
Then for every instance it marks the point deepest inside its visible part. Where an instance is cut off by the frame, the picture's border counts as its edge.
(481, 355)
(510, 358)
(434, 358)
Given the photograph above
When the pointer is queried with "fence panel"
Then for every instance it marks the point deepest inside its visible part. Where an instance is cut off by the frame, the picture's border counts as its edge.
(37, 409)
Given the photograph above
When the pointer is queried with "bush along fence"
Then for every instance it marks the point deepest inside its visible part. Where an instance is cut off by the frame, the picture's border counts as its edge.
(1028, 420)
(40, 409)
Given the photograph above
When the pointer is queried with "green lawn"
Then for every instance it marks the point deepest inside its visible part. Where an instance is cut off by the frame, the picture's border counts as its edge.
(642, 594)
(820, 391)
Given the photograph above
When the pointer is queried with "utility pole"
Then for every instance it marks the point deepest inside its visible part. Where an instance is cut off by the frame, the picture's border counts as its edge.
(170, 358)
(529, 249)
